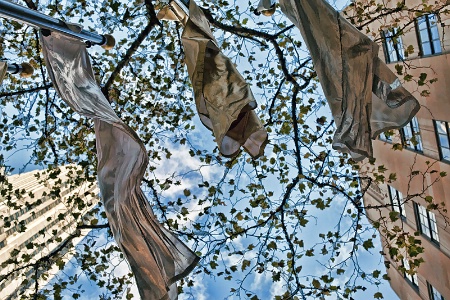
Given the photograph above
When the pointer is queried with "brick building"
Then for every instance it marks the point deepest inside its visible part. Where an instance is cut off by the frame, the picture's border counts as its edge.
(423, 44)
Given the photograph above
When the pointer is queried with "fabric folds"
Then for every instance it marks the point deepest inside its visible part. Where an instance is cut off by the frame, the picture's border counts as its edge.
(156, 256)
(3, 69)
(365, 96)
(224, 100)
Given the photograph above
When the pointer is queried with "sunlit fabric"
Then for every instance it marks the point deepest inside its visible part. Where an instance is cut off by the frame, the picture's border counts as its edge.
(365, 97)
(3, 69)
(224, 100)
(156, 256)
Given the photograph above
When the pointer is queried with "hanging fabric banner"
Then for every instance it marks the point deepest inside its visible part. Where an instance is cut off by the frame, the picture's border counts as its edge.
(156, 256)
(224, 100)
(365, 96)
(3, 69)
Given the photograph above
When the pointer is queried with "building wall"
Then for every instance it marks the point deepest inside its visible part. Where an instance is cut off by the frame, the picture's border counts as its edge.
(48, 223)
(436, 106)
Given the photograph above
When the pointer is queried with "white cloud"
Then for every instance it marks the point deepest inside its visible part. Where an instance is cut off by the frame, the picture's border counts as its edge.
(197, 292)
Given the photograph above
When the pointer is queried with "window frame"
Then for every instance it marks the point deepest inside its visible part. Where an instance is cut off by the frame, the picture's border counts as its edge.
(432, 292)
(438, 140)
(392, 39)
(432, 228)
(413, 280)
(415, 132)
(396, 202)
(426, 18)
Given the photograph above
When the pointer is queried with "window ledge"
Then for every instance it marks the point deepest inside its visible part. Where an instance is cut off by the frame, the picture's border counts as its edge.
(445, 161)
(431, 55)
(411, 284)
(432, 241)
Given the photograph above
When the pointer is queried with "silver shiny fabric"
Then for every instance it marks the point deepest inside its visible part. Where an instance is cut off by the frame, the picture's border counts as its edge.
(156, 256)
(3, 69)
(224, 100)
(365, 97)
(265, 5)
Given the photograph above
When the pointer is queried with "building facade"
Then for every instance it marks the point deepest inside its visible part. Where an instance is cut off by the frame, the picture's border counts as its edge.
(419, 152)
(37, 221)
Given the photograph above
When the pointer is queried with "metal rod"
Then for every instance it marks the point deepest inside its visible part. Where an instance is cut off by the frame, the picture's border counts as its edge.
(185, 2)
(31, 17)
(24, 69)
(14, 68)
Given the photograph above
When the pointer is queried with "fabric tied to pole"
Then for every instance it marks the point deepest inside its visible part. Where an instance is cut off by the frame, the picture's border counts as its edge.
(156, 256)
(266, 7)
(224, 100)
(365, 96)
(3, 69)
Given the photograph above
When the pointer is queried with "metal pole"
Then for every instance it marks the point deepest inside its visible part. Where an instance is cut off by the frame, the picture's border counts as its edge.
(31, 17)
(185, 2)
(24, 69)
(14, 68)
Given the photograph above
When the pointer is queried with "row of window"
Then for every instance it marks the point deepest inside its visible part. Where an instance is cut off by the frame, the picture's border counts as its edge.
(411, 139)
(31, 218)
(426, 220)
(433, 293)
(22, 211)
(426, 224)
(427, 35)
(410, 136)
(27, 208)
(38, 249)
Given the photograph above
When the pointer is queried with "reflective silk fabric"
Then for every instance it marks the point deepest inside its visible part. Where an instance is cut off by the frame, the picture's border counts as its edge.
(364, 95)
(264, 5)
(3, 69)
(156, 256)
(224, 100)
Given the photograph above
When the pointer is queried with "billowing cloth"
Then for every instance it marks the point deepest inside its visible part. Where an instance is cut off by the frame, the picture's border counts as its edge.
(224, 100)
(3, 69)
(365, 96)
(156, 256)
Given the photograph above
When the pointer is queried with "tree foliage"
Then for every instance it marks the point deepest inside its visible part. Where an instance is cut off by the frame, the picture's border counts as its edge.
(294, 216)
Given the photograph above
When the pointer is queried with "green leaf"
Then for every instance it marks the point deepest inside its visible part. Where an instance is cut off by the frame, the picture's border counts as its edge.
(368, 244)
(245, 264)
(378, 295)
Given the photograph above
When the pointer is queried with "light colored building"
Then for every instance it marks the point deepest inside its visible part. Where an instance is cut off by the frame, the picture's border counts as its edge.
(424, 45)
(31, 227)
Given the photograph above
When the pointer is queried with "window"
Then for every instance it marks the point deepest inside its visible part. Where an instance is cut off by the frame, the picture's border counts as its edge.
(434, 293)
(393, 46)
(428, 35)
(386, 136)
(411, 136)
(427, 223)
(443, 137)
(397, 201)
(411, 278)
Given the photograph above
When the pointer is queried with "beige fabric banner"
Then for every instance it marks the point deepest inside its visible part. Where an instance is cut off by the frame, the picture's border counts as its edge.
(365, 96)
(224, 100)
(156, 256)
